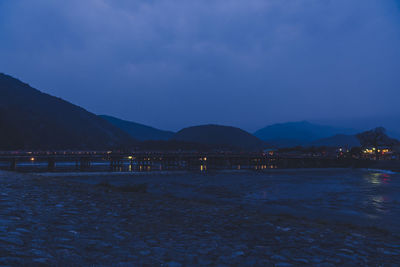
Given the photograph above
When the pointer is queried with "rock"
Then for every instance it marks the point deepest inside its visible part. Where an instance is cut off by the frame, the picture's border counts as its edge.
(173, 264)
(335, 260)
(346, 256)
(127, 264)
(238, 253)
(10, 261)
(278, 258)
(23, 230)
(317, 259)
(284, 229)
(12, 240)
(204, 251)
(392, 245)
(224, 259)
(204, 262)
(358, 235)
(145, 252)
(283, 264)
(301, 260)
(41, 253)
(325, 264)
(349, 251)
(387, 252)
(190, 258)
(159, 251)
(119, 236)
(251, 261)
(41, 260)
(5, 221)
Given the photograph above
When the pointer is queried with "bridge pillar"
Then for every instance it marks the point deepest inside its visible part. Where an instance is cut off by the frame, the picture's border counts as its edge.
(51, 164)
(85, 163)
(13, 165)
(111, 164)
(115, 164)
(131, 166)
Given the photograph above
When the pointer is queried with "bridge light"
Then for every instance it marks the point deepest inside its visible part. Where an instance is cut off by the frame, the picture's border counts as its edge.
(32, 159)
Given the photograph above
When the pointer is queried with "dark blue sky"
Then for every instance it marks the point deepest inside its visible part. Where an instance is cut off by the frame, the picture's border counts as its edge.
(175, 63)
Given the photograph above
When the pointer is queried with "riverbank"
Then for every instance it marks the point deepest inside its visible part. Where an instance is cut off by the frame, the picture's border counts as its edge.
(186, 219)
(387, 165)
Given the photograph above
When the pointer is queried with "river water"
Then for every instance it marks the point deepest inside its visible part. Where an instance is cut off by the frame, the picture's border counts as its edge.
(360, 197)
(308, 217)
(350, 196)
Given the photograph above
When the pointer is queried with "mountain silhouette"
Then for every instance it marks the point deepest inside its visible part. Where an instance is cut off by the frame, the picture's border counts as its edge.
(220, 135)
(139, 131)
(30, 119)
(298, 133)
(339, 140)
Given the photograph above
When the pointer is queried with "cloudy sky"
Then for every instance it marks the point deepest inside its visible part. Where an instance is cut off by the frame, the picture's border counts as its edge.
(175, 63)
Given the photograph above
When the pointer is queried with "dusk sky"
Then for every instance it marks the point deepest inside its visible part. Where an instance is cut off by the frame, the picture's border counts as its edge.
(177, 63)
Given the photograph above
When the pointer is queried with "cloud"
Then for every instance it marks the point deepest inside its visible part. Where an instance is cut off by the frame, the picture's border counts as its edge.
(173, 63)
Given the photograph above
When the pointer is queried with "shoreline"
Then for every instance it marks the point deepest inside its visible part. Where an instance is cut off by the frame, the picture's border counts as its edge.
(182, 172)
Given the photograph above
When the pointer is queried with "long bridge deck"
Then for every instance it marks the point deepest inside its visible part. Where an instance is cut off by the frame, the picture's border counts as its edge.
(83, 160)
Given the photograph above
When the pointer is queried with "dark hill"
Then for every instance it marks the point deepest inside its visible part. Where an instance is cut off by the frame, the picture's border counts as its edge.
(175, 145)
(373, 138)
(377, 137)
(139, 131)
(219, 135)
(30, 119)
(297, 133)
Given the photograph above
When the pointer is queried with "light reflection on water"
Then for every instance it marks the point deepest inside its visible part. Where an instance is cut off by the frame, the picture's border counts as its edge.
(377, 178)
(379, 199)
(363, 194)
(373, 178)
(96, 166)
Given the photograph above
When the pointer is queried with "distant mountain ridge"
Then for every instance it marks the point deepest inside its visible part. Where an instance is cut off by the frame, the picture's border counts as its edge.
(30, 119)
(389, 122)
(298, 133)
(139, 131)
(212, 134)
(339, 140)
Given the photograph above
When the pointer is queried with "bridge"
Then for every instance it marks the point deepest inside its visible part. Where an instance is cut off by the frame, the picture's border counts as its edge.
(163, 160)
(145, 160)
